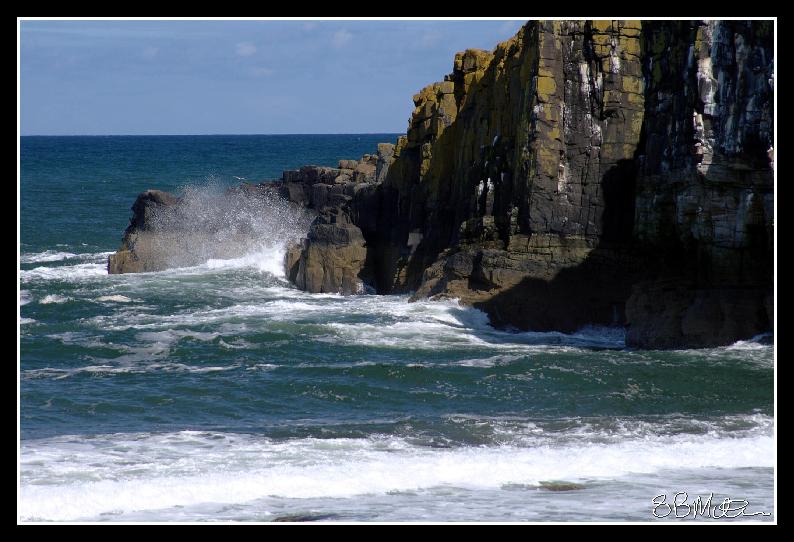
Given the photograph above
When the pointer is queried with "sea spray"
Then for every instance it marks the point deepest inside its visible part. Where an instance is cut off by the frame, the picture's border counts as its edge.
(246, 225)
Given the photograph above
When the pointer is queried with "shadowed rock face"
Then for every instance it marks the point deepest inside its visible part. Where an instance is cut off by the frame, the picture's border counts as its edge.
(704, 201)
(582, 172)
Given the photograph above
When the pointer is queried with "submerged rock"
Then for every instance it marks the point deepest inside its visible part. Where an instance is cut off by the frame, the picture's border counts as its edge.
(561, 486)
(300, 518)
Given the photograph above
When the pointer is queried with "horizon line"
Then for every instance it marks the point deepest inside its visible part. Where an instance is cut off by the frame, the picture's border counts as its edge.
(215, 134)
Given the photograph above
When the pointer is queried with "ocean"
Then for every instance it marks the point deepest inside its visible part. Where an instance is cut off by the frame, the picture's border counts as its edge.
(220, 392)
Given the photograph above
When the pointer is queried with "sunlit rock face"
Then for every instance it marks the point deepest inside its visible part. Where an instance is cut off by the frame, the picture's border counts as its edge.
(582, 172)
(594, 172)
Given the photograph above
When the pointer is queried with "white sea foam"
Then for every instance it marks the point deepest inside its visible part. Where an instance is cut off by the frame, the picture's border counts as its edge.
(95, 256)
(26, 320)
(267, 259)
(46, 256)
(54, 298)
(126, 366)
(238, 344)
(759, 342)
(173, 335)
(447, 324)
(378, 321)
(755, 352)
(71, 478)
(57, 256)
(412, 334)
(489, 362)
(114, 298)
(68, 273)
(25, 297)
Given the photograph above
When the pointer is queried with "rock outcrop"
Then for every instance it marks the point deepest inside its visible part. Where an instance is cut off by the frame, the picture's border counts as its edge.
(333, 255)
(167, 231)
(582, 172)
(139, 251)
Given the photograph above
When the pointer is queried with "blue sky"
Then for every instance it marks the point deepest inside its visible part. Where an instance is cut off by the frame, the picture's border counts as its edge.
(235, 77)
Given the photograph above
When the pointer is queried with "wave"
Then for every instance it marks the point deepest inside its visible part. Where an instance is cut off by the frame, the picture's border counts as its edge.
(211, 229)
(56, 256)
(73, 478)
(448, 324)
(68, 273)
(222, 228)
(262, 258)
(128, 368)
(376, 321)
(46, 256)
(759, 342)
(268, 259)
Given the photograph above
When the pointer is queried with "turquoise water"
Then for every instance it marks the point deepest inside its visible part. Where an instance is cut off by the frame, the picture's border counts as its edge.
(220, 392)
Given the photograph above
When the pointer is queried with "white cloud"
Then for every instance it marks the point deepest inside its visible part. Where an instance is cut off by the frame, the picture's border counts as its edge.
(341, 38)
(260, 72)
(246, 48)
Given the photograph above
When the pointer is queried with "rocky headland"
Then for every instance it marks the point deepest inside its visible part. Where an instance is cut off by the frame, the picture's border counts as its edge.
(582, 172)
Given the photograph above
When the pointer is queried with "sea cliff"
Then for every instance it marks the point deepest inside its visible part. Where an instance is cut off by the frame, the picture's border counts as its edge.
(582, 172)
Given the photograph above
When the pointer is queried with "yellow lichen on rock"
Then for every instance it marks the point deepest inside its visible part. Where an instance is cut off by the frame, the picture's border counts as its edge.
(632, 84)
(602, 25)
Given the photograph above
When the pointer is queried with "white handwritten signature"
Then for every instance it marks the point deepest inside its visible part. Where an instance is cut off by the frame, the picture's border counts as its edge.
(680, 507)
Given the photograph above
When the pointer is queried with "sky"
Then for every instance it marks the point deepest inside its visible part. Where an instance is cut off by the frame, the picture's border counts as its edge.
(235, 77)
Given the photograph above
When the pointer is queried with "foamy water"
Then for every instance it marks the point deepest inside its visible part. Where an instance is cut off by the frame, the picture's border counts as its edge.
(152, 472)
(189, 475)
(216, 391)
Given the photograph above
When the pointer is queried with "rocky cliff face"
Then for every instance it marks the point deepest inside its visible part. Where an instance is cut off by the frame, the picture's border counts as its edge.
(541, 157)
(591, 172)
(582, 172)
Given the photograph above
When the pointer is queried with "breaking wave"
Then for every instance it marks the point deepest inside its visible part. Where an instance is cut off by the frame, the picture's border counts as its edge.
(224, 228)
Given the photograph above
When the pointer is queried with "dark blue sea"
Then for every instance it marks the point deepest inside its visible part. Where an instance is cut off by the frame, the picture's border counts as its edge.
(219, 392)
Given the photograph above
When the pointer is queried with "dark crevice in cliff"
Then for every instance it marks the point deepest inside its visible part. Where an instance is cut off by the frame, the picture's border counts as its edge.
(593, 292)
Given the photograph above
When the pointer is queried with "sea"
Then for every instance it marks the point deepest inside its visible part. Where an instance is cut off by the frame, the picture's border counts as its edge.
(221, 393)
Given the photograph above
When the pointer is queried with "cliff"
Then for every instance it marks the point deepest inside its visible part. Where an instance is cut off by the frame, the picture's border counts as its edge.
(582, 172)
